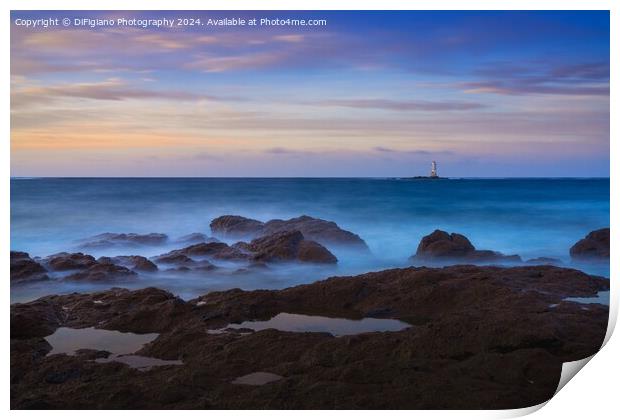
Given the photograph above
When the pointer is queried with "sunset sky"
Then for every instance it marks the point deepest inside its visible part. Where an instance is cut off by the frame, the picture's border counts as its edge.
(369, 94)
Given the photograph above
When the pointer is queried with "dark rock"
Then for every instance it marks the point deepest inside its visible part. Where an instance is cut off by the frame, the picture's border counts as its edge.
(174, 258)
(594, 246)
(206, 267)
(482, 338)
(133, 262)
(25, 269)
(544, 261)
(217, 250)
(289, 246)
(202, 249)
(90, 354)
(196, 238)
(105, 240)
(442, 246)
(102, 272)
(236, 226)
(322, 231)
(65, 261)
(180, 269)
(62, 376)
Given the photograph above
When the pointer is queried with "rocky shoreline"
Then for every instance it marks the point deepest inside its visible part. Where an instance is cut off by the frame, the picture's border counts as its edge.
(474, 337)
(480, 337)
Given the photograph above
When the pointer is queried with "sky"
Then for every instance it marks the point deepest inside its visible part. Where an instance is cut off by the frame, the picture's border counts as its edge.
(369, 94)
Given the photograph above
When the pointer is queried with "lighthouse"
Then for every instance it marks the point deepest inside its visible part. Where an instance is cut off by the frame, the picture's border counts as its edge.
(434, 170)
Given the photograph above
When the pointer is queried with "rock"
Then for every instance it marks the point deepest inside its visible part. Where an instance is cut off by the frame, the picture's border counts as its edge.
(133, 262)
(236, 226)
(480, 338)
(322, 231)
(544, 261)
(102, 272)
(25, 269)
(289, 246)
(217, 250)
(106, 240)
(202, 249)
(65, 261)
(196, 238)
(594, 246)
(441, 246)
(174, 258)
(206, 267)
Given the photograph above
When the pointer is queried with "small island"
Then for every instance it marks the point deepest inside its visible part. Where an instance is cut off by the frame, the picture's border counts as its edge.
(433, 174)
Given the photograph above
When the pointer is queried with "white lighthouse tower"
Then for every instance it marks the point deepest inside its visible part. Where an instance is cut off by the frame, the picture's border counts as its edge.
(434, 170)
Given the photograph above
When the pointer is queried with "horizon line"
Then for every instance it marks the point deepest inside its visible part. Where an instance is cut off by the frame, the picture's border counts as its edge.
(310, 177)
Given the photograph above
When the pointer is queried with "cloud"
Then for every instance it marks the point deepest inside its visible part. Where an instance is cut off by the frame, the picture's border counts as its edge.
(382, 149)
(280, 151)
(289, 38)
(218, 64)
(392, 105)
(591, 78)
(108, 90)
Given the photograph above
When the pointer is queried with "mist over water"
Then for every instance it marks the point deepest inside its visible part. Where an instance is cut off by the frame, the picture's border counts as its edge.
(529, 217)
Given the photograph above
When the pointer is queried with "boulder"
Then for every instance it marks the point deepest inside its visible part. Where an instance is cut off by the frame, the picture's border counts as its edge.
(544, 261)
(442, 246)
(196, 238)
(322, 231)
(217, 250)
(102, 272)
(236, 226)
(25, 269)
(106, 240)
(594, 246)
(289, 246)
(66, 261)
(174, 258)
(133, 262)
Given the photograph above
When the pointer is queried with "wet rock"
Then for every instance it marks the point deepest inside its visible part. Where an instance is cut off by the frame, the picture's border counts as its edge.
(174, 258)
(39, 318)
(133, 262)
(442, 246)
(236, 226)
(594, 246)
(322, 231)
(106, 240)
(90, 354)
(459, 353)
(544, 261)
(206, 267)
(196, 238)
(65, 261)
(217, 250)
(102, 272)
(25, 269)
(289, 246)
(202, 249)
(180, 269)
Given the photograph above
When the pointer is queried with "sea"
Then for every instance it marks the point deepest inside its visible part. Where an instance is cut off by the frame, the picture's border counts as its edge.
(531, 217)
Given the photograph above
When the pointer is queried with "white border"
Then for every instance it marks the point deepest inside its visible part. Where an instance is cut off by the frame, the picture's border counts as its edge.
(592, 394)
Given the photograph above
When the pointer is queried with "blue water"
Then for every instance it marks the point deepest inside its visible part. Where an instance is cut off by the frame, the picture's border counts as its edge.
(529, 217)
